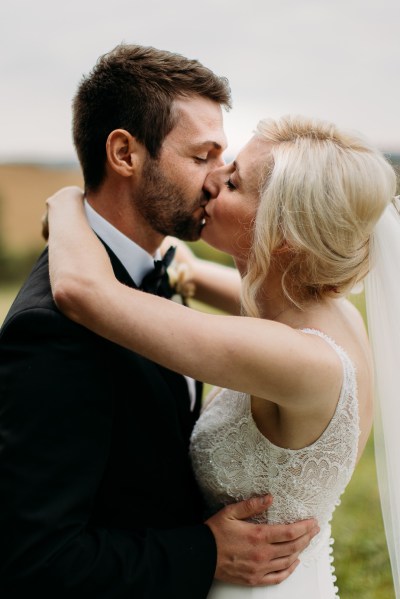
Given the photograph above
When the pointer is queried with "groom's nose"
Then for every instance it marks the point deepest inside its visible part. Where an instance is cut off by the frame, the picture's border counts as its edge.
(213, 182)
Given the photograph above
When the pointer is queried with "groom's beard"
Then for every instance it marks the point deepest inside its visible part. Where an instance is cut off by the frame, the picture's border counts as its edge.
(166, 207)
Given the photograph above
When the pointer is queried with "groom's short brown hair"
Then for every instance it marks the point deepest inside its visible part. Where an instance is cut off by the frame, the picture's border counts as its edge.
(133, 88)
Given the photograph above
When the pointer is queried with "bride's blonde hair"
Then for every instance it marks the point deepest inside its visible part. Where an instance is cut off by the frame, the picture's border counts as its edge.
(322, 192)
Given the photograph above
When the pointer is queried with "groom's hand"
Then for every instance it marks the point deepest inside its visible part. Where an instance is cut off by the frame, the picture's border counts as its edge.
(257, 554)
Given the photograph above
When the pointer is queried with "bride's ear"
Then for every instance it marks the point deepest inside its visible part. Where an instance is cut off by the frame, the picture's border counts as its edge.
(124, 153)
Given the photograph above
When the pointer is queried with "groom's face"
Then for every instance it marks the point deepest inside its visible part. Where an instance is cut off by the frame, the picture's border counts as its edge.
(171, 191)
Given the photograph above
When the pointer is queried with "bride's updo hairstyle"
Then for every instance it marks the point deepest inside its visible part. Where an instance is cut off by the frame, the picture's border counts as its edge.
(323, 190)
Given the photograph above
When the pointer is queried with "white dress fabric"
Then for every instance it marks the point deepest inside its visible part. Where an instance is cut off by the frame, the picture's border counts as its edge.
(233, 461)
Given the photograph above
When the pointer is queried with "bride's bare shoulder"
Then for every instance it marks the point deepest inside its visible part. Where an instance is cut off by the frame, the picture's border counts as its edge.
(355, 336)
(355, 316)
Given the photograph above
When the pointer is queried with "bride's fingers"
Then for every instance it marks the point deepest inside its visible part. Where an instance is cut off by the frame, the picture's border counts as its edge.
(67, 193)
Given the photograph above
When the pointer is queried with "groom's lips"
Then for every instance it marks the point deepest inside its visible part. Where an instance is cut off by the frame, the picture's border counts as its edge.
(204, 214)
(199, 214)
(205, 217)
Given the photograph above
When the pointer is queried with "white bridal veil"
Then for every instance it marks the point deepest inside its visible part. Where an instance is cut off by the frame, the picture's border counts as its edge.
(382, 293)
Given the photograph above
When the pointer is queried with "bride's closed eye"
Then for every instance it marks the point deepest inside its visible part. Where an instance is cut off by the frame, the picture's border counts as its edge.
(230, 185)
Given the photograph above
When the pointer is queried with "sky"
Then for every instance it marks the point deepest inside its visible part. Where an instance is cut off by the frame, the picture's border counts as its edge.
(332, 59)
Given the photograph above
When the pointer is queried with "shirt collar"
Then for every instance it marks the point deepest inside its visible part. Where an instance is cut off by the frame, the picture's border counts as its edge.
(135, 259)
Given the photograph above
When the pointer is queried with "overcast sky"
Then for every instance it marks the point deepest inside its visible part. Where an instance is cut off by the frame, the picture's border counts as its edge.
(336, 59)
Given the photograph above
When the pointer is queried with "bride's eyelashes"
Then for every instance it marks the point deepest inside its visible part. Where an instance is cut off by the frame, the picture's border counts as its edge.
(230, 185)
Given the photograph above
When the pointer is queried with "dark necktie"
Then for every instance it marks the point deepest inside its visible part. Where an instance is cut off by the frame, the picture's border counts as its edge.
(157, 280)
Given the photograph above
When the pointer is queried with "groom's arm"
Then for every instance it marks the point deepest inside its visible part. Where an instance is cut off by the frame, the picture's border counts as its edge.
(55, 437)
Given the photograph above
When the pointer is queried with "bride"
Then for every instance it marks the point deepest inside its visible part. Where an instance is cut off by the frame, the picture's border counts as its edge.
(292, 407)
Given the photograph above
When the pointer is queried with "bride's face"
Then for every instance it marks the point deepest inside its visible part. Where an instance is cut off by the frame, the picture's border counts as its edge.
(234, 191)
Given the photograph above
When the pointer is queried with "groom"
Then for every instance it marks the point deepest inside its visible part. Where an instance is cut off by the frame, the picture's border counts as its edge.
(97, 495)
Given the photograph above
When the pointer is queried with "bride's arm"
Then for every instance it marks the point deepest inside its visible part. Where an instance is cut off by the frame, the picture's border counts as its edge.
(242, 353)
(217, 285)
(214, 284)
(86, 290)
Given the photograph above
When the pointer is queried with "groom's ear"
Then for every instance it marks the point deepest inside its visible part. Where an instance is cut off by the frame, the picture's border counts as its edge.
(124, 153)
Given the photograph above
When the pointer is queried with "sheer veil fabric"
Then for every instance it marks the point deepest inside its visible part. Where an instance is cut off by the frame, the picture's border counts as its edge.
(382, 293)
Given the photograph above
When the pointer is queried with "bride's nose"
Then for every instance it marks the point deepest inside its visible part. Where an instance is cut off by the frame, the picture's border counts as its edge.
(214, 181)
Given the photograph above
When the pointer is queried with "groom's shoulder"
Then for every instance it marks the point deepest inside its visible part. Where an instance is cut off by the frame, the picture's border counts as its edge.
(34, 294)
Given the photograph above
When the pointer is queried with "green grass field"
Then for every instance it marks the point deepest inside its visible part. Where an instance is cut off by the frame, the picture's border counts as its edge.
(361, 558)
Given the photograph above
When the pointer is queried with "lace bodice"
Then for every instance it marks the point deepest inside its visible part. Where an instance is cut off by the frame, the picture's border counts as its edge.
(232, 460)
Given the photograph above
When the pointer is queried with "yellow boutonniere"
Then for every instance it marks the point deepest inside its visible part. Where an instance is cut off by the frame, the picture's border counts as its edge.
(180, 281)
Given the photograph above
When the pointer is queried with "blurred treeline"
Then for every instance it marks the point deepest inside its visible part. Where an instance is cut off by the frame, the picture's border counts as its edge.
(23, 191)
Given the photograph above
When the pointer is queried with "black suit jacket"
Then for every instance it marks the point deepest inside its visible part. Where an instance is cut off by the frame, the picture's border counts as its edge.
(97, 495)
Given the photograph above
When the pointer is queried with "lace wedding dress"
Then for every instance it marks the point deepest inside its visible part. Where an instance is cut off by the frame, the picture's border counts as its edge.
(232, 461)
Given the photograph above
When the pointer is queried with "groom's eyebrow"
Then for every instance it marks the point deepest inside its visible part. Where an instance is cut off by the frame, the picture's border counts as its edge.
(207, 144)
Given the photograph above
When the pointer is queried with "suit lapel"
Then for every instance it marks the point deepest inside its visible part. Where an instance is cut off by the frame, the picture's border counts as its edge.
(176, 381)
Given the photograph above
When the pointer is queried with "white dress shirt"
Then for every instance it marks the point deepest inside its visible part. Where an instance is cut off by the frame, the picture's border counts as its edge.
(135, 259)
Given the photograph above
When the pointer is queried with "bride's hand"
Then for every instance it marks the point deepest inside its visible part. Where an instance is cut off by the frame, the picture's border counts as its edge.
(68, 193)
(182, 270)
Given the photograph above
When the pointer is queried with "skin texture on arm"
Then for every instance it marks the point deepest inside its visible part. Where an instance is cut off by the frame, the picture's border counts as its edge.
(217, 285)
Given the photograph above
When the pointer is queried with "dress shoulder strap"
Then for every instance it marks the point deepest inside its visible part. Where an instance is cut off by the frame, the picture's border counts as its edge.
(349, 368)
